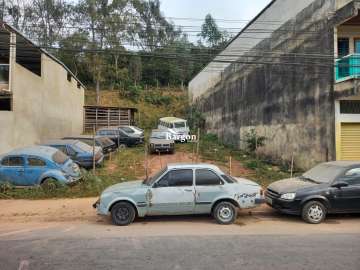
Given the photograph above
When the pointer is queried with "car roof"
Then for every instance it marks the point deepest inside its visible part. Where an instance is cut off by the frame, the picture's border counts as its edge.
(108, 128)
(36, 150)
(159, 130)
(172, 119)
(344, 164)
(194, 166)
(82, 137)
(61, 142)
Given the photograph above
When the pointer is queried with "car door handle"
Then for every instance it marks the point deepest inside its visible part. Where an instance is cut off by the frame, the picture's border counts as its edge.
(188, 190)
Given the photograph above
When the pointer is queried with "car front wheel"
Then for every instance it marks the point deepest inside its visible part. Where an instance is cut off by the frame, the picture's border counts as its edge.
(225, 213)
(122, 214)
(313, 212)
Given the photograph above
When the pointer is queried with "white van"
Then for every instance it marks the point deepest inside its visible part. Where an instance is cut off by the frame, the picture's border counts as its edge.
(173, 125)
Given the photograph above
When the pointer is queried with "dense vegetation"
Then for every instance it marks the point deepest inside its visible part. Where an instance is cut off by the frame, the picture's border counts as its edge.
(125, 45)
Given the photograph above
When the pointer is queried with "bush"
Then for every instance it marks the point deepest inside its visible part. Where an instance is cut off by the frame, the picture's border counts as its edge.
(253, 140)
(156, 99)
(132, 92)
(195, 118)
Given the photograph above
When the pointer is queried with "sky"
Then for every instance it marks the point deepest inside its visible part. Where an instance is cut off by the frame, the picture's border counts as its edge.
(219, 9)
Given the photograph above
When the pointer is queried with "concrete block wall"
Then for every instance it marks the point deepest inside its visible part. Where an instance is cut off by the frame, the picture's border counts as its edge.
(293, 106)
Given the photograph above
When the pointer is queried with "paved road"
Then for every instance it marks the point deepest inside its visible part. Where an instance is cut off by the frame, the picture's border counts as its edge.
(183, 252)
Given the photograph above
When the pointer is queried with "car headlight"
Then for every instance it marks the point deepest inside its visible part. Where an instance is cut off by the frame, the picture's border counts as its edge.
(288, 196)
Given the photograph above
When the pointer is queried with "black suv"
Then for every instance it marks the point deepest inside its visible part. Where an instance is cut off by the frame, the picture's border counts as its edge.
(119, 137)
(332, 187)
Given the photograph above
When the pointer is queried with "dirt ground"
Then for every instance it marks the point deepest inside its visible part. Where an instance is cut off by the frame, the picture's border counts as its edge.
(77, 215)
(156, 162)
(20, 216)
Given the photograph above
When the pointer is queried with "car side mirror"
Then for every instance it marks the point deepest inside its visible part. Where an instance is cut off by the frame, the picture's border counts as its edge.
(340, 184)
(161, 184)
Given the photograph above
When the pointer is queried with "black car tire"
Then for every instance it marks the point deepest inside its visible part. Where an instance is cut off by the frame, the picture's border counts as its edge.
(50, 184)
(313, 212)
(122, 146)
(122, 213)
(225, 213)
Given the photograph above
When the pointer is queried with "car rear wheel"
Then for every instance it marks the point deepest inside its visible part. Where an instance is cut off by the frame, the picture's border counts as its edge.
(314, 212)
(122, 146)
(225, 213)
(123, 213)
(50, 184)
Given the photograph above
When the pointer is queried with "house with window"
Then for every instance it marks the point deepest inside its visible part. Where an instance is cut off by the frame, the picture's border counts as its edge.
(293, 75)
(40, 98)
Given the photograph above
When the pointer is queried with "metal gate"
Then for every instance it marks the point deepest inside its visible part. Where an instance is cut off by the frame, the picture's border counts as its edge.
(350, 141)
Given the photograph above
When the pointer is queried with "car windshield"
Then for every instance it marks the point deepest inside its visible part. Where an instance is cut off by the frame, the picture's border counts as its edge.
(105, 141)
(151, 180)
(127, 130)
(136, 128)
(83, 146)
(323, 173)
(159, 135)
(179, 124)
(229, 179)
(59, 157)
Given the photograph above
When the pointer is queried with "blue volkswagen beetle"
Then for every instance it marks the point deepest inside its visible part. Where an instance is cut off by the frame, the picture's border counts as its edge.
(37, 165)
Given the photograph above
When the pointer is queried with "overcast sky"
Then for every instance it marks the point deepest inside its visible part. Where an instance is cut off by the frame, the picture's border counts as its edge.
(221, 9)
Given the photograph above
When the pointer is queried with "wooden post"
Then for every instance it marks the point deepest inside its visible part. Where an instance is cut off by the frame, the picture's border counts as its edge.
(146, 163)
(94, 165)
(160, 159)
(292, 166)
(230, 165)
(198, 145)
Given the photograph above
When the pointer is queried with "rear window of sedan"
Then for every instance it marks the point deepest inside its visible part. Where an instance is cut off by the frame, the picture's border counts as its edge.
(59, 157)
(105, 141)
(83, 146)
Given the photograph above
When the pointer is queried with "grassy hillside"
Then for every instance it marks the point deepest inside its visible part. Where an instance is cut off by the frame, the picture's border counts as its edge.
(152, 104)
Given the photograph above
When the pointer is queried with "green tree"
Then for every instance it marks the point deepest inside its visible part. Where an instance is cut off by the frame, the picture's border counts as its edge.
(210, 32)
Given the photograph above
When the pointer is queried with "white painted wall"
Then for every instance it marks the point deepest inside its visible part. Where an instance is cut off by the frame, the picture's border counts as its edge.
(45, 107)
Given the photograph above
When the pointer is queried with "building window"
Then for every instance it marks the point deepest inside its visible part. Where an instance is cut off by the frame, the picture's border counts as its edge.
(357, 45)
(5, 101)
(343, 47)
(350, 106)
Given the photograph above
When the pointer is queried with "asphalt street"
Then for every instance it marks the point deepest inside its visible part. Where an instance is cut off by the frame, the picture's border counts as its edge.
(181, 243)
(183, 252)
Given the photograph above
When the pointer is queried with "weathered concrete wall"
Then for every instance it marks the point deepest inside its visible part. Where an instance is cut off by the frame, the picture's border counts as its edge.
(292, 105)
(277, 13)
(44, 107)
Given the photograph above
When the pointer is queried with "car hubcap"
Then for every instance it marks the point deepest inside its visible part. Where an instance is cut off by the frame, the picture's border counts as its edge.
(123, 214)
(225, 213)
(316, 213)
